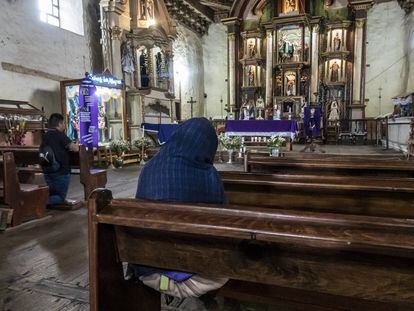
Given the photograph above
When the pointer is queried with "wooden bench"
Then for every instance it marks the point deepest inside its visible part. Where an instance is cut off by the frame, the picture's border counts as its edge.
(90, 178)
(359, 195)
(290, 259)
(362, 166)
(26, 201)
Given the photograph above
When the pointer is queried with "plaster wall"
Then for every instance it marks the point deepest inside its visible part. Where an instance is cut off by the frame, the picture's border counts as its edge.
(389, 56)
(28, 42)
(188, 72)
(215, 70)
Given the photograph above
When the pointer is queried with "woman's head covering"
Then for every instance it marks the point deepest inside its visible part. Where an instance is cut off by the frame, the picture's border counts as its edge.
(183, 170)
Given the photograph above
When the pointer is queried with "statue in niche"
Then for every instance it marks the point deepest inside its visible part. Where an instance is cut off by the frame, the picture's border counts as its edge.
(143, 9)
(335, 72)
(337, 42)
(306, 52)
(126, 60)
(250, 76)
(334, 111)
(290, 84)
(158, 64)
(252, 110)
(286, 50)
(143, 64)
(244, 110)
(150, 9)
(252, 49)
(290, 6)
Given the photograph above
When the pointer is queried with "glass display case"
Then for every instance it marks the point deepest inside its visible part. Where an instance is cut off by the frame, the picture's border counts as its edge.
(20, 123)
(112, 123)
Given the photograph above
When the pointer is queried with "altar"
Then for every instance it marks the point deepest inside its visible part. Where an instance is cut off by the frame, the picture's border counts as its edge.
(262, 128)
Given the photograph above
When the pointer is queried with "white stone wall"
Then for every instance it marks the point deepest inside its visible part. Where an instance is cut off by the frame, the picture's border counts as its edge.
(389, 44)
(188, 71)
(215, 70)
(28, 42)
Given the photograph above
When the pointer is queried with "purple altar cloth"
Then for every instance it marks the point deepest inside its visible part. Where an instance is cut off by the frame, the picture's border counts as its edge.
(261, 128)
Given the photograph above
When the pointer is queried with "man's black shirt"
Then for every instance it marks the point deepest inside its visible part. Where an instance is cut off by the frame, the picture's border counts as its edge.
(59, 143)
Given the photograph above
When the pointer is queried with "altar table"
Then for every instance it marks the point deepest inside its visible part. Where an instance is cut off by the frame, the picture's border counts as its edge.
(261, 128)
(164, 131)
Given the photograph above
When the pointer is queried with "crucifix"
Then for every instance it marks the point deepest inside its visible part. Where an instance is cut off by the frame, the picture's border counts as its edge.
(191, 102)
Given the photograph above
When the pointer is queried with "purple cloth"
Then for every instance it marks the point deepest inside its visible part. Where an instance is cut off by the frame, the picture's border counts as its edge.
(267, 127)
(312, 124)
(164, 131)
(88, 114)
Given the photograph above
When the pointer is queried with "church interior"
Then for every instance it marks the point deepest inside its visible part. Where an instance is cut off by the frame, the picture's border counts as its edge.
(213, 155)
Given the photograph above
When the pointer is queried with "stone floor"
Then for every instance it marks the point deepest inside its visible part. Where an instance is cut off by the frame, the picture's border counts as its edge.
(43, 264)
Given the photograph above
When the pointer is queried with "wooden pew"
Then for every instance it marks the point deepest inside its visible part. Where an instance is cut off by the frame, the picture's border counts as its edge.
(341, 166)
(90, 178)
(26, 201)
(290, 259)
(358, 195)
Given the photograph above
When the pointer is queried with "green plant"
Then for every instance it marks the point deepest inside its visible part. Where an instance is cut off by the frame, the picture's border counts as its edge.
(142, 142)
(275, 141)
(230, 142)
(120, 146)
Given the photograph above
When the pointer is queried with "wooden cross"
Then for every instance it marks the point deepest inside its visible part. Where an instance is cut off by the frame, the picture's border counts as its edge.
(191, 102)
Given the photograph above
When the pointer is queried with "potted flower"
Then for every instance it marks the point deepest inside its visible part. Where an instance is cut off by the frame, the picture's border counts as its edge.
(142, 145)
(274, 144)
(230, 144)
(119, 147)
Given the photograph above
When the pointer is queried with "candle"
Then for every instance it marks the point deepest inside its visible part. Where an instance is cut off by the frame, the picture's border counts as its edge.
(143, 132)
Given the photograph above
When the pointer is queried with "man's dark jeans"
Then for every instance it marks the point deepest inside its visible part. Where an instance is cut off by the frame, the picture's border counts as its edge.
(58, 187)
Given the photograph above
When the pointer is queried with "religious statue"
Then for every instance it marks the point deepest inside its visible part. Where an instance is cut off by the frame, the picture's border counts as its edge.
(252, 110)
(73, 119)
(252, 49)
(337, 42)
(260, 106)
(276, 114)
(334, 111)
(143, 64)
(306, 52)
(150, 9)
(244, 109)
(335, 72)
(286, 50)
(143, 9)
(158, 64)
(290, 6)
(290, 84)
(251, 77)
(126, 60)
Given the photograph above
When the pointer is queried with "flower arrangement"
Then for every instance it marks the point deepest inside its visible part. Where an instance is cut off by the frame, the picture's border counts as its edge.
(142, 143)
(120, 146)
(275, 141)
(230, 143)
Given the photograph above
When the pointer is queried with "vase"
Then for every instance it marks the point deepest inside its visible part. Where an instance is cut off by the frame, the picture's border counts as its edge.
(230, 152)
(274, 152)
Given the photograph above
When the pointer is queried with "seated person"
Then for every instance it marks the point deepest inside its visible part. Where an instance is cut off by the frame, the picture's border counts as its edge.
(54, 158)
(182, 171)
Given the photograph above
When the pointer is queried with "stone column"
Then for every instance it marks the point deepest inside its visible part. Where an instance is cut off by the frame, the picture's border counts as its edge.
(232, 57)
(116, 34)
(232, 70)
(358, 46)
(315, 62)
(360, 8)
(269, 68)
